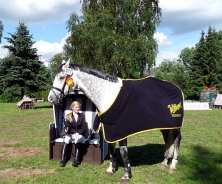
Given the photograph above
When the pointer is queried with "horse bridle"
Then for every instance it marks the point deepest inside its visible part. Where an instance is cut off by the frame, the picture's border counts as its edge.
(62, 94)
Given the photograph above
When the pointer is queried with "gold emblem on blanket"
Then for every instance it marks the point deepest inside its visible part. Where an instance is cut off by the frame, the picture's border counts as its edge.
(174, 108)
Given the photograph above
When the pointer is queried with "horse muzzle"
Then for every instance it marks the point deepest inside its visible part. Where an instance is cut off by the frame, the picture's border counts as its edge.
(52, 98)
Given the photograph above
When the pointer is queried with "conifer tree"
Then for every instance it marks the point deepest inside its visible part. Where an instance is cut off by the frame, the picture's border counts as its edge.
(1, 29)
(218, 67)
(22, 67)
(204, 66)
(213, 57)
(196, 74)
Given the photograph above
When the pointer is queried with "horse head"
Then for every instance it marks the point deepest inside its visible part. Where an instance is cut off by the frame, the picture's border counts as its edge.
(63, 79)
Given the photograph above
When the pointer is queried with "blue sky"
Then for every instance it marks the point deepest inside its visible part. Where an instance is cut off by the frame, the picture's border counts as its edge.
(181, 24)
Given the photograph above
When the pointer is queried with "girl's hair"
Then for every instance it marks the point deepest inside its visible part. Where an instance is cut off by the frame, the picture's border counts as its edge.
(74, 103)
(69, 116)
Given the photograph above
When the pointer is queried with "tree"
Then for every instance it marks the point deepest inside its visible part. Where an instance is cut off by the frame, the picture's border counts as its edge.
(206, 63)
(1, 30)
(55, 62)
(8, 93)
(44, 78)
(218, 67)
(175, 72)
(115, 36)
(22, 67)
(4, 75)
(186, 57)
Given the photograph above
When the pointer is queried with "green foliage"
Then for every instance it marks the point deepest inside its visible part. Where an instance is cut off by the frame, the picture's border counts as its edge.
(55, 62)
(186, 57)
(218, 67)
(4, 75)
(44, 78)
(1, 30)
(173, 71)
(203, 64)
(206, 65)
(42, 94)
(22, 68)
(115, 36)
(10, 94)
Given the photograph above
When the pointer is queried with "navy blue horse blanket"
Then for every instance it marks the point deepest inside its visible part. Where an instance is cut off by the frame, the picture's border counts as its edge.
(143, 105)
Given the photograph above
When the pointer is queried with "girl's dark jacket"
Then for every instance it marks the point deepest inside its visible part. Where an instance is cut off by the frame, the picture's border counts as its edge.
(75, 127)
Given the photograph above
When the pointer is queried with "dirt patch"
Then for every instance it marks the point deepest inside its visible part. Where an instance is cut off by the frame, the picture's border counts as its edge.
(9, 142)
(9, 152)
(24, 172)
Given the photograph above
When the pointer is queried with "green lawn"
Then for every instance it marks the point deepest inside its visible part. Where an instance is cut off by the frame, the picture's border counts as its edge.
(24, 152)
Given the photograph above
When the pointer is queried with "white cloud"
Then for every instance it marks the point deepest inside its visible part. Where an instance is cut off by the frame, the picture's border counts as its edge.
(3, 52)
(185, 16)
(182, 22)
(46, 50)
(162, 40)
(33, 11)
(179, 19)
(170, 55)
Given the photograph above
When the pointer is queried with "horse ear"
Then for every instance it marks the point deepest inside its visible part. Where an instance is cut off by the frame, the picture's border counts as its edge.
(68, 62)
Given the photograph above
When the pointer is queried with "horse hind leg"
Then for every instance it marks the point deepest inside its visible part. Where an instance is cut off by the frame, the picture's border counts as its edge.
(124, 154)
(176, 143)
(112, 166)
(172, 142)
(166, 136)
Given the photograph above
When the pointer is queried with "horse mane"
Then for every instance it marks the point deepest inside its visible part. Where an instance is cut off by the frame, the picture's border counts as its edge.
(94, 72)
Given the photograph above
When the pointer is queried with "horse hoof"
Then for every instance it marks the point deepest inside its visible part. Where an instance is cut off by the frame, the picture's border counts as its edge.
(163, 166)
(108, 173)
(124, 181)
(171, 171)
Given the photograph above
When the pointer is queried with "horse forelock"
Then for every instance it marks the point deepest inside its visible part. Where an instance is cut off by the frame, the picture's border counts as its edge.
(94, 72)
(60, 69)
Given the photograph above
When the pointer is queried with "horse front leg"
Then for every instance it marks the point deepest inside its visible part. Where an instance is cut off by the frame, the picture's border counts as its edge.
(112, 166)
(124, 154)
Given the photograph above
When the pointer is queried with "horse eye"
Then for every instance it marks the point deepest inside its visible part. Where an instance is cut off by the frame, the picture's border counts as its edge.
(62, 77)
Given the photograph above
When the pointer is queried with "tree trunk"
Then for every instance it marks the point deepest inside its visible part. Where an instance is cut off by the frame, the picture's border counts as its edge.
(22, 92)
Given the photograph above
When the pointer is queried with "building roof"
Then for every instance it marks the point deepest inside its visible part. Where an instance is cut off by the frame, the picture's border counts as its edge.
(218, 100)
(24, 99)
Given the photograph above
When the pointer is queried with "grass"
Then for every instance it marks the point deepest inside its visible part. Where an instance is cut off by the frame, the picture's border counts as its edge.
(24, 152)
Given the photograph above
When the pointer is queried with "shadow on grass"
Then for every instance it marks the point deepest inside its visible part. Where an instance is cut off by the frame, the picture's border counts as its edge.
(204, 166)
(148, 154)
(44, 107)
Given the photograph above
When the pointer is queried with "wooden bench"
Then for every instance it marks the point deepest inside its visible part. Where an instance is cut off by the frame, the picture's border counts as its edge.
(93, 149)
